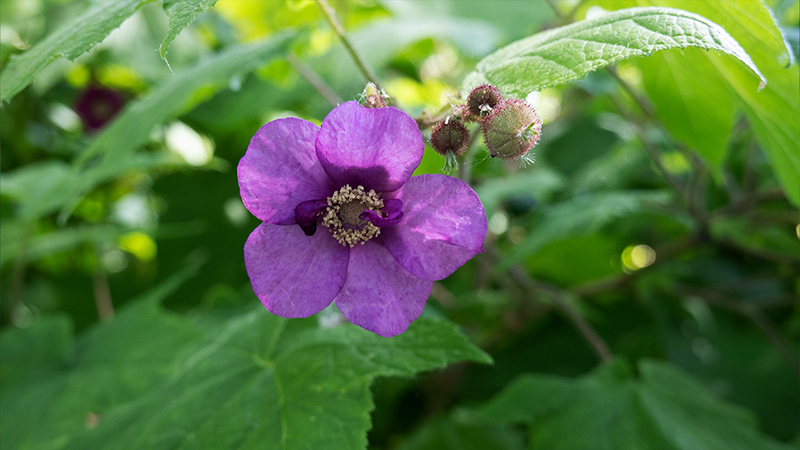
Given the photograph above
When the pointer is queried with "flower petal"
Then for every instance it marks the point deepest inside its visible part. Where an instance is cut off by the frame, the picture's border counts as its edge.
(443, 227)
(392, 208)
(280, 170)
(378, 294)
(294, 275)
(375, 148)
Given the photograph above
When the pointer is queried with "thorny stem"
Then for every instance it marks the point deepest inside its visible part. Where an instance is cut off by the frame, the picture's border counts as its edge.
(330, 16)
(314, 80)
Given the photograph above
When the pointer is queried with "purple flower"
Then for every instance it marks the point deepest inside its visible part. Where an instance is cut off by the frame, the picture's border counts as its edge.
(344, 221)
(97, 105)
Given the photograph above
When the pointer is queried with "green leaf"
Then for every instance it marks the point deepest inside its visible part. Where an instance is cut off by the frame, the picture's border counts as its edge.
(49, 386)
(115, 148)
(463, 432)
(662, 409)
(154, 380)
(132, 128)
(697, 98)
(696, 109)
(181, 13)
(248, 387)
(70, 41)
(52, 242)
(539, 183)
(582, 216)
(568, 53)
(38, 349)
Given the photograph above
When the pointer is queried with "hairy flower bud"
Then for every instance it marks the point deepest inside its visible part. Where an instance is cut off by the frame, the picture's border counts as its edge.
(372, 97)
(483, 99)
(449, 136)
(512, 129)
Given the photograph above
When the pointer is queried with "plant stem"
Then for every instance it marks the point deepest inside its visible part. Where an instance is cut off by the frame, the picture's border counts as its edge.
(330, 16)
(586, 330)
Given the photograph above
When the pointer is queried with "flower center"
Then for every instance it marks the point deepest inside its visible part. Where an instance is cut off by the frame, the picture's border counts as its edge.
(342, 215)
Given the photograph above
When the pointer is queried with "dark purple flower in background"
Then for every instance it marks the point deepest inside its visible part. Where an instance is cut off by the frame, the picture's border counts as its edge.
(97, 105)
(344, 221)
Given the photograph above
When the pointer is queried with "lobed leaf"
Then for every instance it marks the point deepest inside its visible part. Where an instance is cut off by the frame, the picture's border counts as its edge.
(50, 387)
(568, 53)
(156, 381)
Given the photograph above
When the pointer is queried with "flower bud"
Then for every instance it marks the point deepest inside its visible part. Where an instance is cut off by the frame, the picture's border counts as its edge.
(372, 97)
(483, 99)
(512, 129)
(449, 136)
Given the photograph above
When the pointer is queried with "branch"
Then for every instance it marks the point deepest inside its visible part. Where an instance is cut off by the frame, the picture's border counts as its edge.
(586, 330)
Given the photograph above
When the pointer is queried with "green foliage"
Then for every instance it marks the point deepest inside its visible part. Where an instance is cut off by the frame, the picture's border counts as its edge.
(246, 381)
(661, 409)
(181, 13)
(462, 432)
(582, 216)
(569, 53)
(678, 154)
(70, 41)
(116, 146)
(697, 109)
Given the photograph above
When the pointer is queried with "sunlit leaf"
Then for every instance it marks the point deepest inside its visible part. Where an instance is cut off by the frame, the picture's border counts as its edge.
(70, 41)
(696, 92)
(568, 53)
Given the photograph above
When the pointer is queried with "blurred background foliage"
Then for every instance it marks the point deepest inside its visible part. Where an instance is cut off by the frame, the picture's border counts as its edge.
(624, 219)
